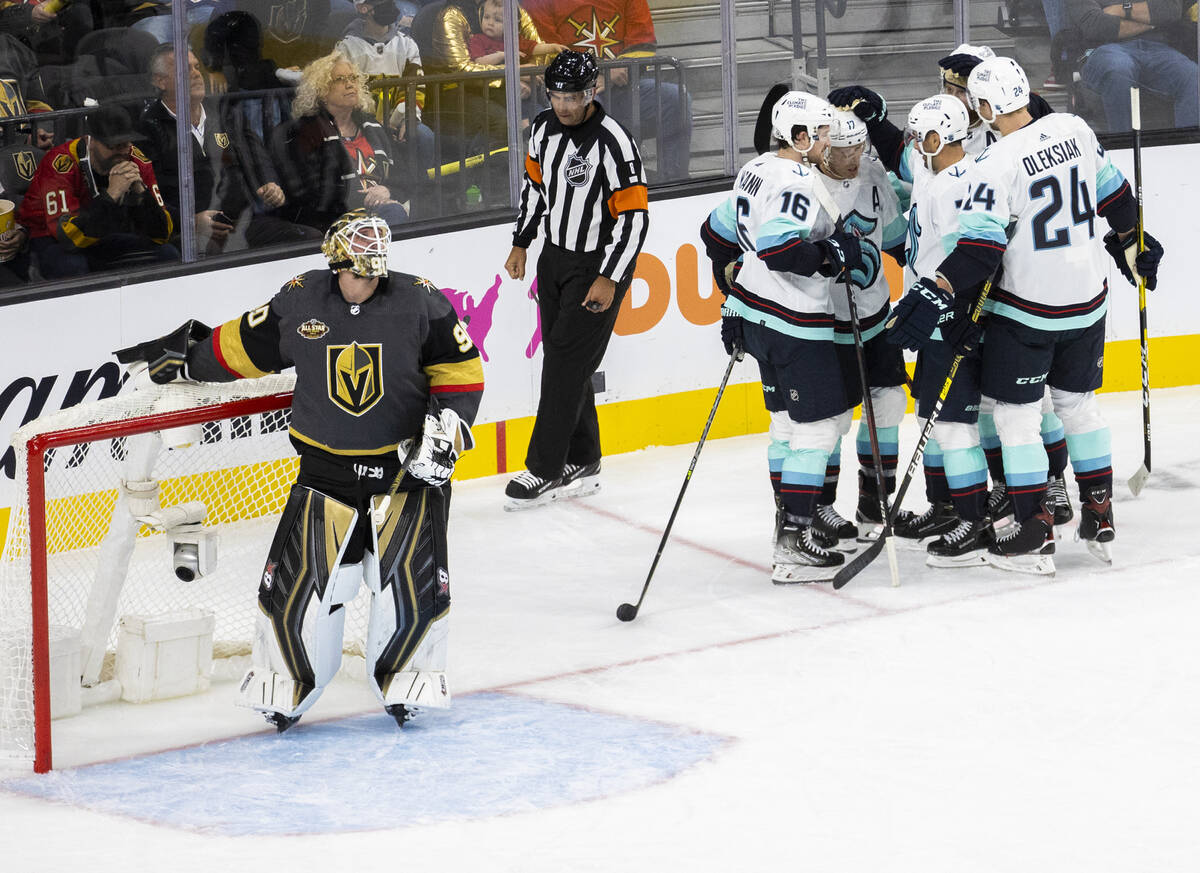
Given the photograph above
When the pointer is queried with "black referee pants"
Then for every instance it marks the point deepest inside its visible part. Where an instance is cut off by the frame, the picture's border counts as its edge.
(573, 343)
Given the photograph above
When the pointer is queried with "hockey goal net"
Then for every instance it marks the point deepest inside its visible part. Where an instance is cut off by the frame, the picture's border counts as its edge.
(78, 554)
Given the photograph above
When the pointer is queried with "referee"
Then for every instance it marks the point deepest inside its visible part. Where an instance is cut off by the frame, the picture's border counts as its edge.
(584, 185)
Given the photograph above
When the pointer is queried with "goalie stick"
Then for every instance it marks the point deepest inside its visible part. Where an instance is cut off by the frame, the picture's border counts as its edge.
(860, 561)
(1138, 480)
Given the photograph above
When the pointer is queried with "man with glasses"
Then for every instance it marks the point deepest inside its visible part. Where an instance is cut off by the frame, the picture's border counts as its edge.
(586, 190)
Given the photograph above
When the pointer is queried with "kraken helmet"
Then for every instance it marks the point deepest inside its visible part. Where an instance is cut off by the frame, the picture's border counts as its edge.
(358, 242)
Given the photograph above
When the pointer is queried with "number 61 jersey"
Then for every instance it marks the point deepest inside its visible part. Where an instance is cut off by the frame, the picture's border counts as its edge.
(1054, 180)
(772, 208)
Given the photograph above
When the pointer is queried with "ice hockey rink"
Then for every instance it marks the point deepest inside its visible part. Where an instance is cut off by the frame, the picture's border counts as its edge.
(968, 720)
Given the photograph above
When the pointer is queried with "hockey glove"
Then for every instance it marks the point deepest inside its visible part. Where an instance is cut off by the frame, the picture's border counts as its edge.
(865, 103)
(918, 314)
(842, 251)
(732, 336)
(1133, 263)
(166, 355)
(962, 334)
(445, 437)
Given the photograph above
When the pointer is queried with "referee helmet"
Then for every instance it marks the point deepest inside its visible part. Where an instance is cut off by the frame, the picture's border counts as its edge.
(572, 71)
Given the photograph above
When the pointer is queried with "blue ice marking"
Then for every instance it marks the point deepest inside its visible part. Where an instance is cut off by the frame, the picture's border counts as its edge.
(489, 755)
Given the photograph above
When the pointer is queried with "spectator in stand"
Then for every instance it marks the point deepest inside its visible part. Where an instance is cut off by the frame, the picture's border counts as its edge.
(94, 202)
(294, 33)
(623, 29)
(480, 114)
(157, 123)
(231, 170)
(1147, 44)
(487, 46)
(51, 28)
(378, 44)
(334, 156)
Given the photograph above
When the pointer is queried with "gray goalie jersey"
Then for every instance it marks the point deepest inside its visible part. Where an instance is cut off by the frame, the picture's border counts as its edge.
(364, 372)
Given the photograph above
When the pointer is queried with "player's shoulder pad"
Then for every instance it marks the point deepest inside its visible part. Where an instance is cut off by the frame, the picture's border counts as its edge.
(303, 280)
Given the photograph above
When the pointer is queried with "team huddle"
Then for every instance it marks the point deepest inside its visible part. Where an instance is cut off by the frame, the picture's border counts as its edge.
(991, 208)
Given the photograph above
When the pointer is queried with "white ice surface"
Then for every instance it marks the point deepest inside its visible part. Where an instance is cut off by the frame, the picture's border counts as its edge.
(966, 721)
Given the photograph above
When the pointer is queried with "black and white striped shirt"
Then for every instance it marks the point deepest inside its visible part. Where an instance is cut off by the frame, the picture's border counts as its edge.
(586, 187)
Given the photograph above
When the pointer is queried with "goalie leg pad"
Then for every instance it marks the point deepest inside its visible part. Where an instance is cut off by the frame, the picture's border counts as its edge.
(298, 632)
(410, 601)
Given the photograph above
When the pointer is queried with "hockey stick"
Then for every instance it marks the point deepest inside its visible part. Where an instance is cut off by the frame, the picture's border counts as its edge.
(873, 433)
(629, 611)
(860, 561)
(1138, 480)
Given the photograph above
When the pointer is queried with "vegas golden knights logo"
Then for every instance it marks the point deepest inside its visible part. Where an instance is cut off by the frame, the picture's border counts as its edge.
(24, 164)
(11, 103)
(222, 139)
(355, 374)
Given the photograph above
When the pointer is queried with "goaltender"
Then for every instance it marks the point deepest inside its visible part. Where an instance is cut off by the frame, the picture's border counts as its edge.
(381, 359)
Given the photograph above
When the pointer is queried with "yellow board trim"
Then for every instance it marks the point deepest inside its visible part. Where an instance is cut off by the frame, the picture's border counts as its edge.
(672, 419)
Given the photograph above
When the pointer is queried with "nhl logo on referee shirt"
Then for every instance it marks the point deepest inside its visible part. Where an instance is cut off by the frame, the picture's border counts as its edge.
(577, 171)
(355, 376)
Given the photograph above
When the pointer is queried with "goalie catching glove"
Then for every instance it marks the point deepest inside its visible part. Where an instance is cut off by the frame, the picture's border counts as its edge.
(445, 437)
(166, 356)
(1132, 263)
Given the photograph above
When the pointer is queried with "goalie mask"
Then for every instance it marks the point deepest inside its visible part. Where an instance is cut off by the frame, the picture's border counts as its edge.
(1002, 83)
(799, 109)
(358, 242)
(940, 114)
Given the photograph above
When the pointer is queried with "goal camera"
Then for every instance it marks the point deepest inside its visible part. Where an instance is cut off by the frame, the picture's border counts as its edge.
(193, 546)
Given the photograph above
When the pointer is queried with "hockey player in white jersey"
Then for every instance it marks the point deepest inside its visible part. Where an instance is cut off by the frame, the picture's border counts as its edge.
(857, 186)
(1050, 180)
(889, 143)
(778, 309)
(954, 530)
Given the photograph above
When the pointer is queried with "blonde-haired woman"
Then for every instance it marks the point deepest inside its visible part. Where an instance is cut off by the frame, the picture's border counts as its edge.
(334, 156)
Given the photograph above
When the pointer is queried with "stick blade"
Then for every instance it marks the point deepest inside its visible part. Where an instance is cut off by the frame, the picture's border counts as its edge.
(1138, 480)
(858, 563)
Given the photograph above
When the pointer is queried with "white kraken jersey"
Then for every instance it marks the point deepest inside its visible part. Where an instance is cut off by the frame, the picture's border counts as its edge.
(979, 138)
(1049, 177)
(868, 204)
(933, 213)
(772, 207)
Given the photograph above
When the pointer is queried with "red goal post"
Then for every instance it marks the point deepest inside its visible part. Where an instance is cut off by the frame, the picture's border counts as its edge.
(71, 471)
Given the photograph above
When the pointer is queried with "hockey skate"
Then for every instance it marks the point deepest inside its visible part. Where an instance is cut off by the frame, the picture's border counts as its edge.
(1058, 501)
(965, 546)
(525, 491)
(1026, 546)
(402, 713)
(1096, 524)
(999, 505)
(280, 721)
(581, 480)
(869, 518)
(918, 531)
(798, 557)
(831, 531)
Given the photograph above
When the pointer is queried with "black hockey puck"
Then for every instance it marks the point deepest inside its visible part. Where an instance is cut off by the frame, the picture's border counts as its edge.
(627, 612)
(594, 305)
